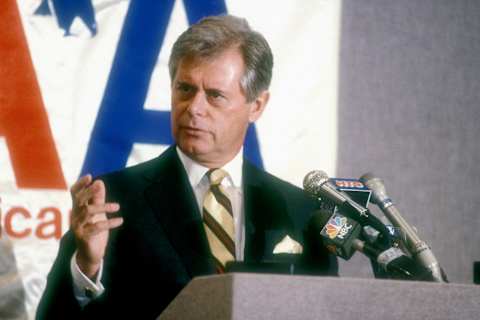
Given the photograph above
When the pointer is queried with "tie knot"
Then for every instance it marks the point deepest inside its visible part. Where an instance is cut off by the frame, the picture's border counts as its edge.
(216, 176)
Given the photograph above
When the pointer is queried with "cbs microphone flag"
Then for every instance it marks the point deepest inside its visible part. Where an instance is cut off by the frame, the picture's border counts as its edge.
(84, 88)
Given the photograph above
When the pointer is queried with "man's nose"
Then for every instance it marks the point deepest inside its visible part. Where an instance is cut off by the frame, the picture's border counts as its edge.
(198, 104)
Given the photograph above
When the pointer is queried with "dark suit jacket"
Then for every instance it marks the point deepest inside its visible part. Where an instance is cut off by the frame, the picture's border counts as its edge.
(162, 245)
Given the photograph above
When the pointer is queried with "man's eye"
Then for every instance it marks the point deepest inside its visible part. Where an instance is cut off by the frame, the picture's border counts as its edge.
(215, 94)
(184, 88)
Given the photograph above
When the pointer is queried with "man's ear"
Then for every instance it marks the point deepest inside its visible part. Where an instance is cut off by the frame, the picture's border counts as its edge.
(258, 105)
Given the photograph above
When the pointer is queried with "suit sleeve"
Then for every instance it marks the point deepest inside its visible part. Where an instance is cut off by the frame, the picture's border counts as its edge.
(58, 300)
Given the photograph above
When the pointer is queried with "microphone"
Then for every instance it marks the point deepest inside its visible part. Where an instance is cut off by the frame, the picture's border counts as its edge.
(341, 236)
(418, 248)
(337, 231)
(395, 262)
(316, 183)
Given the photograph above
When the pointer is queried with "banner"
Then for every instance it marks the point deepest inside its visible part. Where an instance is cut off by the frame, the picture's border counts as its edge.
(84, 88)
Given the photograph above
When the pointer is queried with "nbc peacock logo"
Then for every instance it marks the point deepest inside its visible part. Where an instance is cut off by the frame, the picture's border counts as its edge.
(335, 226)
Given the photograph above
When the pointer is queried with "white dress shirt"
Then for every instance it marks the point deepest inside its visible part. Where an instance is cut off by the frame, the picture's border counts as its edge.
(196, 173)
(232, 186)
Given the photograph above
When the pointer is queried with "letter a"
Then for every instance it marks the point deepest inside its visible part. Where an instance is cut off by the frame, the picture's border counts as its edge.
(23, 119)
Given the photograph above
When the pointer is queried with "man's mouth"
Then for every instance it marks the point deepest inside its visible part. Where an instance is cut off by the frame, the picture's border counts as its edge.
(193, 130)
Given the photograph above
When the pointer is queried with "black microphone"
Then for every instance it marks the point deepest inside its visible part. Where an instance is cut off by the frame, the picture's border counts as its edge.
(317, 183)
(336, 231)
(418, 248)
(341, 236)
(395, 263)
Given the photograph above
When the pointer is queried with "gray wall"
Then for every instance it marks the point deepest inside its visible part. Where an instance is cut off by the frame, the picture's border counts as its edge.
(409, 110)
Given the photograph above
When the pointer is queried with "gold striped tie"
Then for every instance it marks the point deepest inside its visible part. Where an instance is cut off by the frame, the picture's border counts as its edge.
(218, 220)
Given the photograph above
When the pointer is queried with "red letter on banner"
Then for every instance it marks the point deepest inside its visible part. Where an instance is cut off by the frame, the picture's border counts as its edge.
(9, 222)
(23, 120)
(54, 224)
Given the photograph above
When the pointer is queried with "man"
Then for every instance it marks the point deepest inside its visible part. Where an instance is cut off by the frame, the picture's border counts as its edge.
(177, 217)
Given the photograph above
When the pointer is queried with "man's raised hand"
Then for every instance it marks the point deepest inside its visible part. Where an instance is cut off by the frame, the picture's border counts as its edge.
(90, 223)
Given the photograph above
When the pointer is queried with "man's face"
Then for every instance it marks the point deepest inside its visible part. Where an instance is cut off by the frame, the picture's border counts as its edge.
(210, 113)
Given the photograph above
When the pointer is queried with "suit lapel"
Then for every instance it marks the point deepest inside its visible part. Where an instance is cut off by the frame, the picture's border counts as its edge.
(266, 214)
(173, 202)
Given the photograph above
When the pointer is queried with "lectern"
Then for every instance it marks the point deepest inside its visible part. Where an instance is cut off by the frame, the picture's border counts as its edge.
(264, 297)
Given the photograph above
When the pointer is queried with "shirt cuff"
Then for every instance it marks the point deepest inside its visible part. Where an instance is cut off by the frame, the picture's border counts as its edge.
(84, 288)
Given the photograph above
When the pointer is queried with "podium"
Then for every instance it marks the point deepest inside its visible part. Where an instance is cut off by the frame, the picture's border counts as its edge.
(265, 296)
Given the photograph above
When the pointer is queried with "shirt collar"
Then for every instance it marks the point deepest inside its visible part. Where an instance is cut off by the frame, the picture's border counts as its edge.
(196, 171)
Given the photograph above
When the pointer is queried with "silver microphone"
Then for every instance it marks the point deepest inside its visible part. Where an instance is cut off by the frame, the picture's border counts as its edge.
(418, 248)
(316, 183)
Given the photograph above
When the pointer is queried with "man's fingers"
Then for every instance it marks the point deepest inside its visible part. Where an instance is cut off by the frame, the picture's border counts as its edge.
(98, 195)
(83, 195)
(103, 207)
(94, 193)
(104, 225)
(115, 222)
(80, 184)
(88, 212)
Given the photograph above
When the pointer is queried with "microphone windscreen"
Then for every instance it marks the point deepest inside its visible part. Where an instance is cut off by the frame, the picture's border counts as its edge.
(314, 180)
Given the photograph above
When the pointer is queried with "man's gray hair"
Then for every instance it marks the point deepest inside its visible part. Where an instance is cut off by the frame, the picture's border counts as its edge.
(213, 35)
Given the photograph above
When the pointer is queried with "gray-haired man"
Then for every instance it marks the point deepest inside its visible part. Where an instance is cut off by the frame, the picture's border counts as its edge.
(177, 216)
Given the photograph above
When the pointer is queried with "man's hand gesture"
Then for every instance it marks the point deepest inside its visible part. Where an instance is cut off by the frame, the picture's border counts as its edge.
(90, 224)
